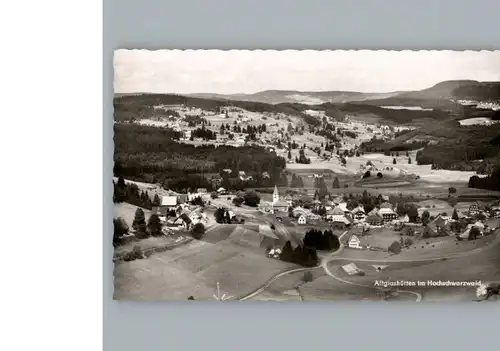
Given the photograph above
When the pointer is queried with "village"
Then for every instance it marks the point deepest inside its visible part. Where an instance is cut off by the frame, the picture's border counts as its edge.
(386, 227)
(290, 205)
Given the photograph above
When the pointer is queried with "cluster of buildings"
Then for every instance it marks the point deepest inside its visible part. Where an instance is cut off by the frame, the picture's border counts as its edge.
(337, 212)
(176, 212)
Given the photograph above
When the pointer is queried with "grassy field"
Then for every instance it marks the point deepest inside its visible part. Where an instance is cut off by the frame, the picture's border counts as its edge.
(149, 243)
(379, 237)
(380, 161)
(230, 254)
(127, 212)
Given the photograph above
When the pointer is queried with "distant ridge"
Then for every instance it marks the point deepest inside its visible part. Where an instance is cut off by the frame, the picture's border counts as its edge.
(443, 91)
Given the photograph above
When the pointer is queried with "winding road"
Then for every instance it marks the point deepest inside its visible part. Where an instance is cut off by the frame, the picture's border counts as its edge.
(335, 257)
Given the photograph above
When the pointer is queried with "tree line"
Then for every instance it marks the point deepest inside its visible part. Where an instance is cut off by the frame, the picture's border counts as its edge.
(318, 240)
(302, 255)
(130, 193)
(490, 182)
(150, 154)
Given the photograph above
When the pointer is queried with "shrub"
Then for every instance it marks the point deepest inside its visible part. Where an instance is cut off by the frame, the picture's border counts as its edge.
(135, 254)
(237, 201)
(379, 175)
(395, 247)
(139, 224)
(120, 229)
(154, 225)
(198, 231)
(408, 242)
(452, 190)
(251, 198)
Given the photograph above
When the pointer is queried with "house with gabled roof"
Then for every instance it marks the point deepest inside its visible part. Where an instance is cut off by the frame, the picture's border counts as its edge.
(354, 242)
(374, 219)
(334, 212)
(302, 219)
(183, 220)
(359, 212)
(386, 205)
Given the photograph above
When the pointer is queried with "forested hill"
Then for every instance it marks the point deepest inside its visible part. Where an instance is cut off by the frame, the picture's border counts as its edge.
(129, 107)
(152, 154)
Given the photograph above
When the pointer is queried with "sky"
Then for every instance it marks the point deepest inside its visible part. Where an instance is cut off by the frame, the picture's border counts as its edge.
(251, 71)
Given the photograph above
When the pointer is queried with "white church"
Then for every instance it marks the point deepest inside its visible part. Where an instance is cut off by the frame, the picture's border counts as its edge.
(278, 205)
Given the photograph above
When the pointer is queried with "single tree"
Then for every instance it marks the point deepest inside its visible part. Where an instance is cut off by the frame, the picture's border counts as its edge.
(156, 200)
(412, 213)
(198, 231)
(287, 252)
(120, 229)
(251, 198)
(474, 233)
(154, 225)
(139, 224)
(408, 242)
(395, 248)
(336, 183)
(237, 201)
(394, 161)
(425, 217)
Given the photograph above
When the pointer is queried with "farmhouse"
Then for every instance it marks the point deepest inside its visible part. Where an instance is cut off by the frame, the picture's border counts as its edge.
(438, 226)
(351, 269)
(334, 212)
(343, 207)
(354, 242)
(302, 219)
(387, 214)
(474, 209)
(183, 220)
(298, 211)
(340, 222)
(359, 213)
(374, 219)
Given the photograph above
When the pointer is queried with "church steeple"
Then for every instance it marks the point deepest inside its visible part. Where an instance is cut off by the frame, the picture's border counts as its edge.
(276, 194)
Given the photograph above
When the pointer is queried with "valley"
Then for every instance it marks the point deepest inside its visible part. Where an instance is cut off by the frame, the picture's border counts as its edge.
(229, 191)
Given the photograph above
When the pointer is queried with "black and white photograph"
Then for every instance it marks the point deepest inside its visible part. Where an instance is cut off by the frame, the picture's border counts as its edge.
(306, 175)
